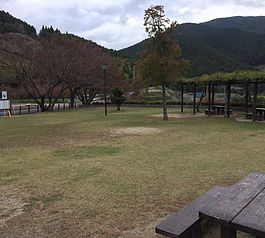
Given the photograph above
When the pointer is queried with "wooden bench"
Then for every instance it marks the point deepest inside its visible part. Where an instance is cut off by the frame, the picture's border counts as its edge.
(186, 223)
(211, 112)
(249, 115)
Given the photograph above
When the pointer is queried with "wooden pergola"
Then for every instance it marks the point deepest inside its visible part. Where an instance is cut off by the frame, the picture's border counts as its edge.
(225, 79)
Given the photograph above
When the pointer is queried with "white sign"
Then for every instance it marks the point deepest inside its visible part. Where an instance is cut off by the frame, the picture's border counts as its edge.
(4, 95)
(4, 104)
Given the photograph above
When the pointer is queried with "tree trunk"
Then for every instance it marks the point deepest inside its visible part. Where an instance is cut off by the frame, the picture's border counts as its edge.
(118, 107)
(72, 98)
(165, 117)
(42, 104)
(86, 95)
(201, 98)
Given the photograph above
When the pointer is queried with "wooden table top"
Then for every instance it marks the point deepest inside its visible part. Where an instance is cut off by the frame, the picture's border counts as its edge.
(218, 106)
(242, 208)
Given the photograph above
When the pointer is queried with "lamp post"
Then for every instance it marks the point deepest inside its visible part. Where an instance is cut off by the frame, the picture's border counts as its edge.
(104, 68)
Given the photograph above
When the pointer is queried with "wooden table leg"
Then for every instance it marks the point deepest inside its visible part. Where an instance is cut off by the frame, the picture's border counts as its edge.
(187, 235)
(197, 233)
(227, 232)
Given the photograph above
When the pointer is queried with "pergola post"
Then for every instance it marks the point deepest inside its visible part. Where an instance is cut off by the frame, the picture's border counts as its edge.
(194, 99)
(209, 99)
(182, 97)
(247, 95)
(255, 101)
(227, 99)
(213, 87)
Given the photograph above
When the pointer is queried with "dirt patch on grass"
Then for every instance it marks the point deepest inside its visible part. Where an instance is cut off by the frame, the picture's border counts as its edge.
(135, 131)
(242, 119)
(145, 231)
(186, 115)
(12, 203)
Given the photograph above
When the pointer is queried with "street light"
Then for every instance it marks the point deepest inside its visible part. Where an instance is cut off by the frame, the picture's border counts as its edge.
(104, 68)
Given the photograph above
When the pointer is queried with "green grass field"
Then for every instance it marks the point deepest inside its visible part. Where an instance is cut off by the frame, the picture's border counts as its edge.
(82, 180)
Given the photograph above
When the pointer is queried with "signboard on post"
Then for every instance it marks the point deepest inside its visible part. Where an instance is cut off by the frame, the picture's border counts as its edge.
(4, 95)
(4, 104)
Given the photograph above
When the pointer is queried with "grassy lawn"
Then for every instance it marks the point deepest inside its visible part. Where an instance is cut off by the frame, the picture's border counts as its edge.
(83, 181)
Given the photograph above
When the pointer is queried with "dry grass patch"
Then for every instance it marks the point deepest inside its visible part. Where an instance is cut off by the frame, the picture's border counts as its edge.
(85, 181)
(12, 203)
(135, 131)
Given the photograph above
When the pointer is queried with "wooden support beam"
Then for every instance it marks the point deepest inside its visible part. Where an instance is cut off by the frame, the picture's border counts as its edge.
(227, 232)
(255, 101)
(197, 233)
(227, 99)
(209, 99)
(194, 99)
(247, 95)
(182, 97)
(213, 92)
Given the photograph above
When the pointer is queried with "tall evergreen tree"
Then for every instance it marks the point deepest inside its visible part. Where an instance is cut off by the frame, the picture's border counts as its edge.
(160, 64)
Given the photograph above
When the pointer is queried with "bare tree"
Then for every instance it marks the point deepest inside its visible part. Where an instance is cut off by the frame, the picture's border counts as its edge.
(38, 67)
(46, 68)
(92, 77)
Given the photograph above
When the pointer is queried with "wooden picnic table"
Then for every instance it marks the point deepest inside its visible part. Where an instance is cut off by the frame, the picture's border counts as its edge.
(261, 111)
(218, 109)
(241, 208)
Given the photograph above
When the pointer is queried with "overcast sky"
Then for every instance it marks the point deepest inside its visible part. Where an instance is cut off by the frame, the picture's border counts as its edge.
(119, 23)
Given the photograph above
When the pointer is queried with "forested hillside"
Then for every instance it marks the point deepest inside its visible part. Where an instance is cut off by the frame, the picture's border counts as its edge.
(218, 45)
(224, 44)
(52, 64)
(10, 24)
(250, 24)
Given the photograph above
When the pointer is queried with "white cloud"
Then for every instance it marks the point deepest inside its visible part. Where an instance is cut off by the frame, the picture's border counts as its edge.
(117, 24)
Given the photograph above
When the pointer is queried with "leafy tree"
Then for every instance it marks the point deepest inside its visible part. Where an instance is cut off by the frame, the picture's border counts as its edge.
(117, 96)
(160, 63)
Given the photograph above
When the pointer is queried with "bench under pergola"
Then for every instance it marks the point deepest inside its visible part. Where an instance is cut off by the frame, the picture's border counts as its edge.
(225, 79)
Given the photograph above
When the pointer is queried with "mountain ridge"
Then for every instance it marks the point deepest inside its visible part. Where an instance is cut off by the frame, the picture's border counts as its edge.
(217, 45)
(247, 23)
